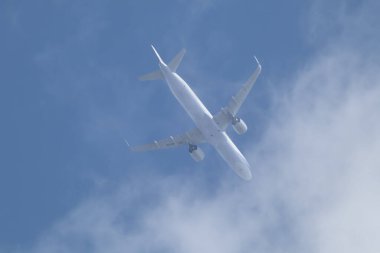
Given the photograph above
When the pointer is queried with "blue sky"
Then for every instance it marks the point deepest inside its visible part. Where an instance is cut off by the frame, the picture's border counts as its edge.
(70, 94)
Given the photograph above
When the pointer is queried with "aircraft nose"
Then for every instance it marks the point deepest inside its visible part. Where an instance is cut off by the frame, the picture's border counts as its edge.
(244, 171)
(247, 174)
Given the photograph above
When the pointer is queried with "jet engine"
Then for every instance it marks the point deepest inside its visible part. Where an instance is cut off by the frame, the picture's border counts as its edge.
(196, 153)
(239, 126)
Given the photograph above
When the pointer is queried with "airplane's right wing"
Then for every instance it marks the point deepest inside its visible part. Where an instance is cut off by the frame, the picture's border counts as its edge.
(193, 136)
(224, 117)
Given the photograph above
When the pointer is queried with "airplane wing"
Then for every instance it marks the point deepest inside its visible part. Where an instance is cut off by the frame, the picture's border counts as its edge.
(225, 116)
(193, 136)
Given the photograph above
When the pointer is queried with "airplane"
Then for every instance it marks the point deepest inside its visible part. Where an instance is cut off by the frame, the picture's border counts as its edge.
(209, 128)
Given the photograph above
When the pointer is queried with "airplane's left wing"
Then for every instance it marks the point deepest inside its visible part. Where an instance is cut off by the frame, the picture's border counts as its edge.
(193, 136)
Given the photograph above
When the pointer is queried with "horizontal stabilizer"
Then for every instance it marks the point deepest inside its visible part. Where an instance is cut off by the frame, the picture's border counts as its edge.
(152, 76)
(173, 65)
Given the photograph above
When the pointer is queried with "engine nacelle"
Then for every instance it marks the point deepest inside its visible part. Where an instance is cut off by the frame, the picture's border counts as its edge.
(196, 153)
(239, 126)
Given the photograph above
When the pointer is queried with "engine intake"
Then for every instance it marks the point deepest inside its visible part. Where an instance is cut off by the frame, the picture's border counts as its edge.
(239, 126)
(196, 153)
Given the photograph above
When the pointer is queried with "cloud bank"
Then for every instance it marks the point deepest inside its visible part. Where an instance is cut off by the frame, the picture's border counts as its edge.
(315, 187)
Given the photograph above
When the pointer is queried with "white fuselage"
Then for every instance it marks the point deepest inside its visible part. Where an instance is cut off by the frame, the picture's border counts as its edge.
(205, 123)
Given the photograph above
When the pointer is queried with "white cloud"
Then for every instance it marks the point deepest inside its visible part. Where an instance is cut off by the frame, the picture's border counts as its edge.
(316, 186)
(326, 166)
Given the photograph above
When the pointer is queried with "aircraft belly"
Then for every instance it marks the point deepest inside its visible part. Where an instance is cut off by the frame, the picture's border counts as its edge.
(231, 154)
(188, 99)
(204, 122)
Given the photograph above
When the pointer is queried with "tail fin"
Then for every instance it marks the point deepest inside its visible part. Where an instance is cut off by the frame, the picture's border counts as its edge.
(158, 56)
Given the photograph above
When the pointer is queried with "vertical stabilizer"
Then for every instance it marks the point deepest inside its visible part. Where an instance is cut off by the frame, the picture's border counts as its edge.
(158, 56)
